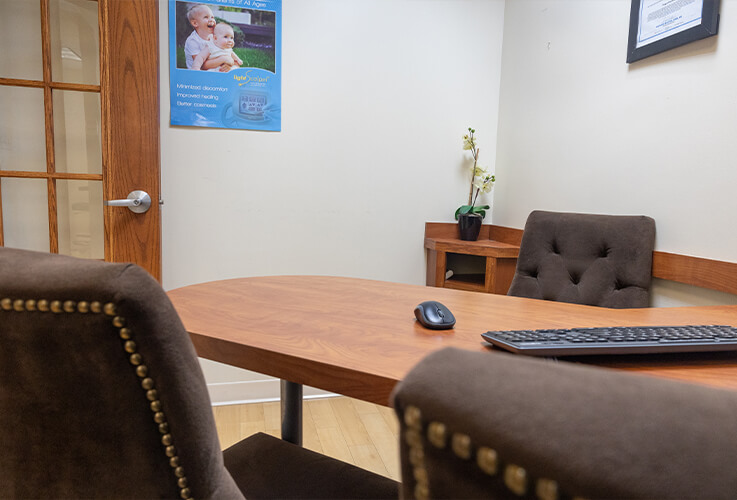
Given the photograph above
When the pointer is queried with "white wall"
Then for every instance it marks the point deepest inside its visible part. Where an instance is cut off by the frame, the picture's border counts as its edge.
(582, 131)
(376, 96)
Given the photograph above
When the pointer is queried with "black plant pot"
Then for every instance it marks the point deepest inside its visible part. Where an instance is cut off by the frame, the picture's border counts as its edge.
(469, 226)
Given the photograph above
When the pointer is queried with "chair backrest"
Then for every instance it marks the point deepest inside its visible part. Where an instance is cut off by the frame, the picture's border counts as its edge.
(599, 260)
(101, 393)
(498, 425)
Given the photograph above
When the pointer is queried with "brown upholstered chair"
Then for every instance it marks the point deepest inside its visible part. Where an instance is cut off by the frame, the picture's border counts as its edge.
(483, 425)
(599, 260)
(101, 395)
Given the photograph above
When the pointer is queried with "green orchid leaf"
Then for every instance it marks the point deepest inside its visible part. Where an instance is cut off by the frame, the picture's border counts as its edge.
(463, 209)
(480, 210)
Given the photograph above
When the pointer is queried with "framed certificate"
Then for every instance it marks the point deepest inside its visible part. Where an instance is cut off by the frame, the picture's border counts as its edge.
(660, 25)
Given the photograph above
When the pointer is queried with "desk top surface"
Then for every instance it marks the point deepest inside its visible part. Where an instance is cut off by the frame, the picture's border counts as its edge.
(359, 337)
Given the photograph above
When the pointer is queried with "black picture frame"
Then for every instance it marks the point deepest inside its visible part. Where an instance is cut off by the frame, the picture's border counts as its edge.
(709, 27)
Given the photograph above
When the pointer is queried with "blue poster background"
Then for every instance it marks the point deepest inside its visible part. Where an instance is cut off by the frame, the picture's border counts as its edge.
(247, 97)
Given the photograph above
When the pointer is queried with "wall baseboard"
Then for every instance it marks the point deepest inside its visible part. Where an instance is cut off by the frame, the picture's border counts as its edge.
(254, 391)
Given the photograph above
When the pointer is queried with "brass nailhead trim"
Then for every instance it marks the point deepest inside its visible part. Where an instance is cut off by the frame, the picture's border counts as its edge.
(546, 489)
(109, 309)
(437, 434)
(416, 456)
(515, 478)
(422, 492)
(413, 418)
(487, 460)
(130, 347)
(420, 475)
(413, 436)
(461, 445)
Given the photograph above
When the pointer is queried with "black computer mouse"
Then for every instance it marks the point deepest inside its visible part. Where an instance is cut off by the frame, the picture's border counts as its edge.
(434, 315)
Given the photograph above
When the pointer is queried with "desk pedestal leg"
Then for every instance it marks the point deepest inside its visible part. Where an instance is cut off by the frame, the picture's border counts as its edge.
(291, 412)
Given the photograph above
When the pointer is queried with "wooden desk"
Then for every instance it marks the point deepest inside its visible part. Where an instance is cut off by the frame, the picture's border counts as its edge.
(359, 337)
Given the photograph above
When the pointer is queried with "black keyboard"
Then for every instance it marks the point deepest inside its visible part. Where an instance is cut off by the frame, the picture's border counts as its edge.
(616, 340)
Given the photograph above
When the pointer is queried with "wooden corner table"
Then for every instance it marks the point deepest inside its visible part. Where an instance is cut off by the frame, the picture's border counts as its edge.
(359, 337)
(485, 265)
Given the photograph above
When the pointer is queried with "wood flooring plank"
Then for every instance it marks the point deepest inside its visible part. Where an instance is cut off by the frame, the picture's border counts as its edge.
(333, 444)
(252, 413)
(384, 440)
(250, 428)
(366, 457)
(390, 417)
(322, 413)
(310, 439)
(226, 424)
(349, 422)
(272, 416)
(363, 406)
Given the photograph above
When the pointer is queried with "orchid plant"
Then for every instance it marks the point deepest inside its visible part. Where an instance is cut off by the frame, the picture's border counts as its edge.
(481, 180)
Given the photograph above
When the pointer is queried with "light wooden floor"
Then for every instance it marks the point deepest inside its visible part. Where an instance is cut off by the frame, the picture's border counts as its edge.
(348, 429)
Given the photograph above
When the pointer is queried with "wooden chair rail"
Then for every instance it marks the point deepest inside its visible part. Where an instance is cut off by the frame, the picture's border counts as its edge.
(705, 273)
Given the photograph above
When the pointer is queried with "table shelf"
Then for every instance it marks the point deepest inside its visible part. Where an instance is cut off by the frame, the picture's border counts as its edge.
(484, 265)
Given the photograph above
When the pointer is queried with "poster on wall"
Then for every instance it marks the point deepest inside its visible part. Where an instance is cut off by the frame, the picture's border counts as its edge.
(225, 63)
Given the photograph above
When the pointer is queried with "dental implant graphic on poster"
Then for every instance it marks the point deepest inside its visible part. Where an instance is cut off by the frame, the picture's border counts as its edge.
(225, 64)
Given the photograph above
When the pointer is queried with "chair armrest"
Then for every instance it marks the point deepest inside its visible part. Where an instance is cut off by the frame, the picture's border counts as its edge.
(499, 425)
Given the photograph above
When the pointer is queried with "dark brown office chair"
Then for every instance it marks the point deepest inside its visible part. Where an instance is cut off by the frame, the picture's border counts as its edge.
(101, 395)
(598, 260)
(496, 425)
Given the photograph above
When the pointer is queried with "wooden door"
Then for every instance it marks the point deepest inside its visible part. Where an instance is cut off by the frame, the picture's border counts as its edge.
(79, 124)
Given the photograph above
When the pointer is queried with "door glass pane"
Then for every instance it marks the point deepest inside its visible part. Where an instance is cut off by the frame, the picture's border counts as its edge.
(77, 142)
(20, 24)
(25, 213)
(22, 136)
(80, 218)
(75, 41)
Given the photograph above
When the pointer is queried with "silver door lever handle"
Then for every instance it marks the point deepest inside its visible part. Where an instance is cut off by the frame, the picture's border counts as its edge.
(137, 201)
